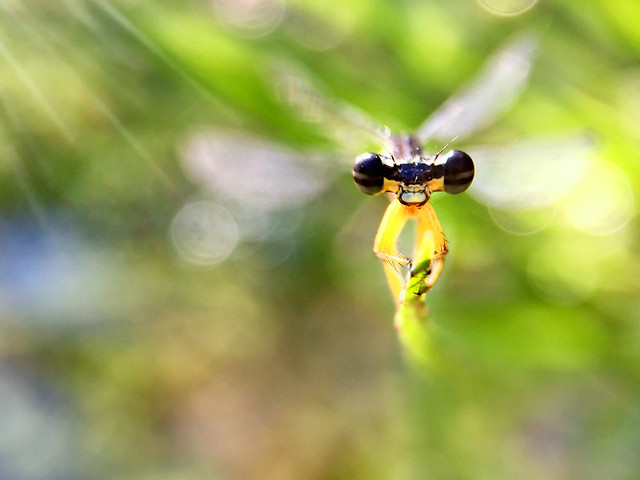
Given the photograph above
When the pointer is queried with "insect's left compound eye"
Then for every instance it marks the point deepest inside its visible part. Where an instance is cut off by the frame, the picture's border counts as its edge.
(368, 173)
(458, 172)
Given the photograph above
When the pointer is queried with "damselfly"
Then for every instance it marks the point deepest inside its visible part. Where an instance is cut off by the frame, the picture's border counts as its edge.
(410, 177)
(516, 175)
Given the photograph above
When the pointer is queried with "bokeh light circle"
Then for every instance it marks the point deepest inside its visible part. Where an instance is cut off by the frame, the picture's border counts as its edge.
(251, 18)
(204, 233)
(507, 8)
(602, 203)
(527, 222)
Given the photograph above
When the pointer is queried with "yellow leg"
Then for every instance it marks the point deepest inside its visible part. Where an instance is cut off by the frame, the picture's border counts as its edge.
(431, 247)
(386, 249)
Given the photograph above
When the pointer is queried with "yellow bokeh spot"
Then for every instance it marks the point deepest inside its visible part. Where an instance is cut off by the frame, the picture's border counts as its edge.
(602, 203)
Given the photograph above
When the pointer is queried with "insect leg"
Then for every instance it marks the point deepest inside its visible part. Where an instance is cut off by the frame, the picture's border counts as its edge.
(431, 247)
(386, 249)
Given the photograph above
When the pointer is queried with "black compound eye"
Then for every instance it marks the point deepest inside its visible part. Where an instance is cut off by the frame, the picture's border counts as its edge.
(368, 173)
(458, 172)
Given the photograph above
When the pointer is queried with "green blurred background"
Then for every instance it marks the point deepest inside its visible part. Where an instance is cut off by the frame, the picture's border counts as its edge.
(152, 328)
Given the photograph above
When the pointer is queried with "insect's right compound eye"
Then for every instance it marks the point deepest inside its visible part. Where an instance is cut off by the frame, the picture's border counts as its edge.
(458, 172)
(368, 173)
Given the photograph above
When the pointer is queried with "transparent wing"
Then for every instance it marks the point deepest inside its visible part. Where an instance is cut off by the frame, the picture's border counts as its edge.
(489, 94)
(530, 174)
(252, 173)
(253, 191)
(339, 120)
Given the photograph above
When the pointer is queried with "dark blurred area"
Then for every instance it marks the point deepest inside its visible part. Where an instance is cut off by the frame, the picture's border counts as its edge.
(187, 287)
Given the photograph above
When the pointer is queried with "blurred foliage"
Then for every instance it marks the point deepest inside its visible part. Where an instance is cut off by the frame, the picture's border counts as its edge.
(120, 359)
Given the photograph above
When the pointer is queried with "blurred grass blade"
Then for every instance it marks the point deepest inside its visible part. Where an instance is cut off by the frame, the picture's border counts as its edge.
(412, 317)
